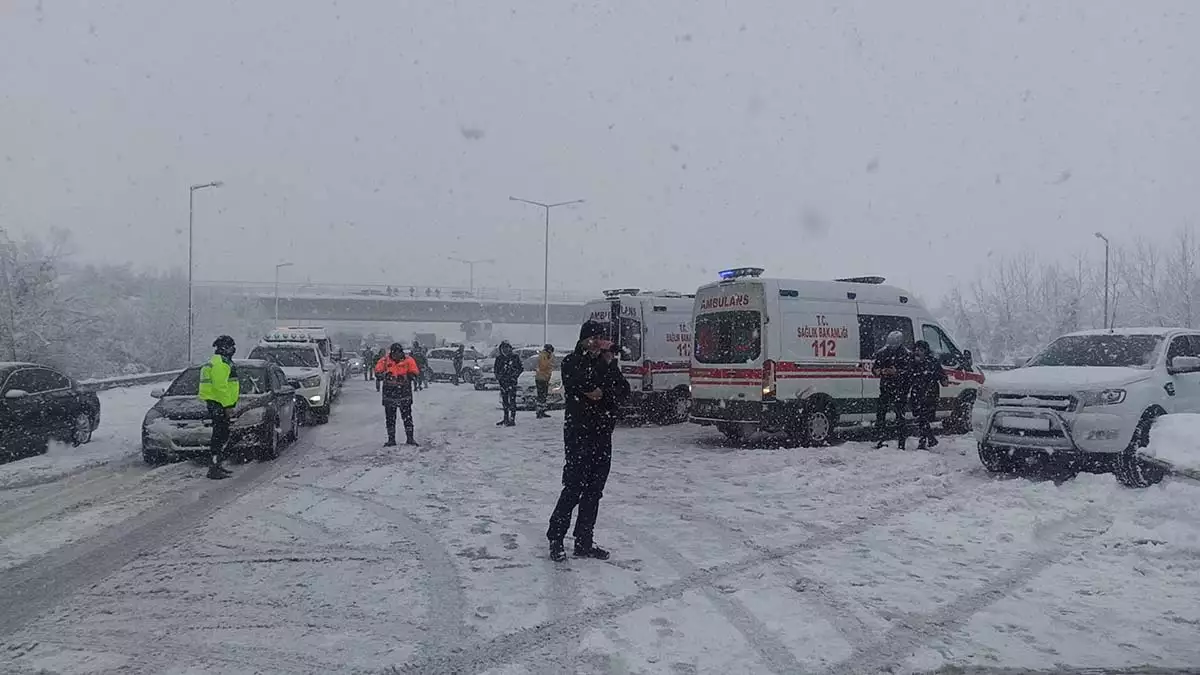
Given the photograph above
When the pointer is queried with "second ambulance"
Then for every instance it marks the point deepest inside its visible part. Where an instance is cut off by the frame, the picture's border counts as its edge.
(794, 356)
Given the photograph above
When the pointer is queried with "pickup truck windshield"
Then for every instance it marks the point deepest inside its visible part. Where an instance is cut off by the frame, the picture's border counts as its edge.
(1102, 351)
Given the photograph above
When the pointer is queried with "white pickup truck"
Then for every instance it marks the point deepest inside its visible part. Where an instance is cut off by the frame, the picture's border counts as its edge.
(1090, 395)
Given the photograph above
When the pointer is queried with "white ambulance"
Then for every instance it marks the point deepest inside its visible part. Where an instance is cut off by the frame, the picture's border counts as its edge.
(786, 355)
(654, 329)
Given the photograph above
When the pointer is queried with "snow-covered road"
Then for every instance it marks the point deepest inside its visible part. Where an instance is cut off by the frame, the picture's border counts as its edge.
(345, 557)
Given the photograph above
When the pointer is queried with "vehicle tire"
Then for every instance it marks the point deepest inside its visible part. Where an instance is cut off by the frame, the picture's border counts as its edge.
(673, 409)
(294, 429)
(959, 421)
(817, 424)
(81, 429)
(1133, 471)
(479, 386)
(270, 450)
(996, 460)
(733, 432)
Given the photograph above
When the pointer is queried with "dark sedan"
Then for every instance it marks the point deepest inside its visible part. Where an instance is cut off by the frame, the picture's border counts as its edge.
(38, 404)
(265, 418)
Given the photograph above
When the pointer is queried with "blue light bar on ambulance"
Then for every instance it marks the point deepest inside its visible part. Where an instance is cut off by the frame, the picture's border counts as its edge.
(739, 272)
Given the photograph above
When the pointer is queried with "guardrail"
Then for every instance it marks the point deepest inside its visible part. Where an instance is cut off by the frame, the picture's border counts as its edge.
(103, 383)
(404, 292)
(996, 367)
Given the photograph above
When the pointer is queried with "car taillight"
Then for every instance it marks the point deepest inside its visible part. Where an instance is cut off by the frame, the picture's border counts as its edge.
(768, 380)
(647, 376)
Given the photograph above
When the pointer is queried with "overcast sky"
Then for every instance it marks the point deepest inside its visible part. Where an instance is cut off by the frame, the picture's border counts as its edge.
(364, 140)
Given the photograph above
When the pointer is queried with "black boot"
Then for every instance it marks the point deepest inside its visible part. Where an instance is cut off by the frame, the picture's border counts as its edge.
(512, 419)
(933, 441)
(921, 444)
(591, 551)
(557, 552)
(410, 440)
(217, 473)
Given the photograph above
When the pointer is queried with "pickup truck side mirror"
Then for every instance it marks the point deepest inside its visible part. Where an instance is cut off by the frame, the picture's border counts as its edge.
(16, 393)
(1184, 364)
(157, 393)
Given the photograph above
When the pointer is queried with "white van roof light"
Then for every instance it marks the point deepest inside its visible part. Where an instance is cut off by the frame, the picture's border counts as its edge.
(863, 280)
(614, 292)
(739, 272)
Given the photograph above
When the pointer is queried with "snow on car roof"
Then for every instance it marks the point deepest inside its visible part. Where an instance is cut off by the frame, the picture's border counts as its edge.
(1148, 330)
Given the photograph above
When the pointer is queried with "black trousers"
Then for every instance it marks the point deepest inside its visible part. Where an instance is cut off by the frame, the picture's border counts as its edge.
(508, 399)
(543, 390)
(893, 401)
(585, 472)
(457, 374)
(220, 432)
(389, 416)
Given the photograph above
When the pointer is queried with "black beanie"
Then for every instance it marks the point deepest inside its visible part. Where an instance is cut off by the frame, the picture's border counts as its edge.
(591, 329)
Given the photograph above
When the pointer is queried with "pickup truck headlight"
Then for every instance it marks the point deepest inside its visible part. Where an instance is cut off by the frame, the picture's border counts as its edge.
(251, 418)
(1103, 397)
(310, 382)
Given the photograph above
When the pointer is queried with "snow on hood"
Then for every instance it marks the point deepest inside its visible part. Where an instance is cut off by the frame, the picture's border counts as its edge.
(1064, 378)
(300, 373)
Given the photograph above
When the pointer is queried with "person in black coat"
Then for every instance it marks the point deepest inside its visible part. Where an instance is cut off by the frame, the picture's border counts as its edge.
(891, 366)
(927, 380)
(615, 388)
(508, 369)
(587, 441)
(458, 364)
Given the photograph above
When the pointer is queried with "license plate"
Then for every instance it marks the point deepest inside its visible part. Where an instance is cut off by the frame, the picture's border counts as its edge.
(1026, 423)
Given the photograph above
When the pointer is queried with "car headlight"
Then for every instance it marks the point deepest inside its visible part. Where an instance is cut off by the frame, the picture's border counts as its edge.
(310, 382)
(251, 418)
(1102, 397)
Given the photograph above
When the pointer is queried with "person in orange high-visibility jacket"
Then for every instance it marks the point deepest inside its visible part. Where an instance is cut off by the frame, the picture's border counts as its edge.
(396, 372)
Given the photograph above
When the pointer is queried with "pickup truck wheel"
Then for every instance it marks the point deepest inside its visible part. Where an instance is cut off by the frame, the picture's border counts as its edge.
(996, 460)
(1133, 471)
(320, 415)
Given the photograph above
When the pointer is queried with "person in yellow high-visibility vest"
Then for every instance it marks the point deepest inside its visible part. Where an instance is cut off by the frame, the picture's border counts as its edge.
(220, 390)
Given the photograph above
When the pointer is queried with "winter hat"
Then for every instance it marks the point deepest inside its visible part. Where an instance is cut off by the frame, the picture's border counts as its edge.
(548, 348)
(591, 329)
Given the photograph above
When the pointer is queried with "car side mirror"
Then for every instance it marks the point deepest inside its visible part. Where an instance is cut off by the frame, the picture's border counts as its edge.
(16, 393)
(158, 393)
(1184, 364)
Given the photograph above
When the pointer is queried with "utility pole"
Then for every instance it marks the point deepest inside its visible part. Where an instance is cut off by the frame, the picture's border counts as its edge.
(278, 267)
(1107, 322)
(191, 240)
(471, 265)
(546, 286)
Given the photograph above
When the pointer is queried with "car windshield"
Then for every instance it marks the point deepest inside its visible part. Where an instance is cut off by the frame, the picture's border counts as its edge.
(253, 381)
(288, 357)
(1103, 351)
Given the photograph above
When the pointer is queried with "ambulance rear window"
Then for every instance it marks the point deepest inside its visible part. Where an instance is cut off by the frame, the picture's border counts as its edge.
(728, 337)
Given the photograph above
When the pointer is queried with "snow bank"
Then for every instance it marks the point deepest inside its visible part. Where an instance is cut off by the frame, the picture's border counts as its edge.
(1175, 440)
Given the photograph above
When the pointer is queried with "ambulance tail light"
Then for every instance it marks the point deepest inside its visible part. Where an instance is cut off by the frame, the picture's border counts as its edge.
(768, 380)
(647, 376)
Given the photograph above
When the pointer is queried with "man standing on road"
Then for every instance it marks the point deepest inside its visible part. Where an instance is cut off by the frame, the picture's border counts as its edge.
(892, 366)
(220, 390)
(545, 371)
(508, 369)
(374, 365)
(927, 380)
(396, 371)
(585, 470)
(368, 359)
(419, 355)
(458, 365)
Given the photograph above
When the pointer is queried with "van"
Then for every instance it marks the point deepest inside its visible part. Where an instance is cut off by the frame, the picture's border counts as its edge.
(795, 356)
(654, 330)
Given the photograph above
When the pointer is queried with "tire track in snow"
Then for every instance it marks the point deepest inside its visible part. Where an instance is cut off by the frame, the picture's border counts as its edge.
(901, 642)
(503, 650)
(446, 603)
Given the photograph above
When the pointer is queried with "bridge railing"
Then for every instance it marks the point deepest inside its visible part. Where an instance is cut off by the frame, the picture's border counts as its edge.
(404, 292)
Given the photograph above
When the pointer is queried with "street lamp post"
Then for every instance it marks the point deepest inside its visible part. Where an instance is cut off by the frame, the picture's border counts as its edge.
(471, 266)
(546, 287)
(1107, 322)
(191, 240)
(278, 267)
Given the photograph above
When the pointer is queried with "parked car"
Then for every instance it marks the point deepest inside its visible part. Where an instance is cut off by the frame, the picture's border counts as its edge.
(354, 363)
(441, 364)
(1090, 397)
(266, 418)
(527, 392)
(39, 404)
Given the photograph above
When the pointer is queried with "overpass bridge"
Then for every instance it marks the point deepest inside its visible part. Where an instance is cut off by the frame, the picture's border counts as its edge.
(358, 302)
